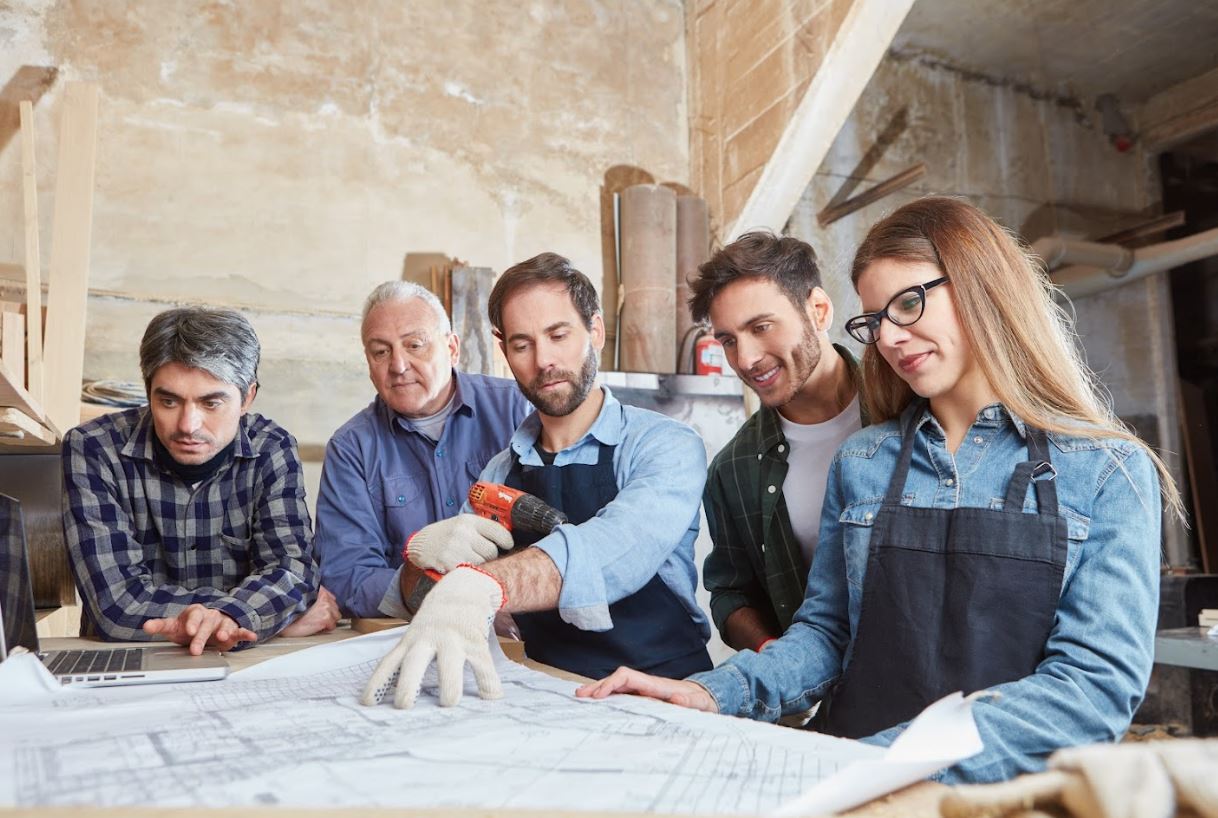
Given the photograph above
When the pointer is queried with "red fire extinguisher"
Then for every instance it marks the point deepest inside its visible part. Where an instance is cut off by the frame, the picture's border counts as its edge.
(708, 356)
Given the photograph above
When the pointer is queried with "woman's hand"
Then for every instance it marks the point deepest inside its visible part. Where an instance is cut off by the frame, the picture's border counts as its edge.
(673, 691)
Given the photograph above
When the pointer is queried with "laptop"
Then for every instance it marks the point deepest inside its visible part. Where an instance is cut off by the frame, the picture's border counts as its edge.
(102, 667)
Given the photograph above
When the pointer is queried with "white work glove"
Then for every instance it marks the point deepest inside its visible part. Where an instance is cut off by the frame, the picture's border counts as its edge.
(466, 538)
(452, 626)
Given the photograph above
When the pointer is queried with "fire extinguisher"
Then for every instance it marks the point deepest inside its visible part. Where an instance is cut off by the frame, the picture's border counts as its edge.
(708, 356)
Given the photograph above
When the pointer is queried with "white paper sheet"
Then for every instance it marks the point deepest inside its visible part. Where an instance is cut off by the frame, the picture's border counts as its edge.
(943, 734)
(290, 732)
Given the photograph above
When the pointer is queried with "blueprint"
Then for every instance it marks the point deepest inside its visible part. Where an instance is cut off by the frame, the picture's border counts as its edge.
(290, 732)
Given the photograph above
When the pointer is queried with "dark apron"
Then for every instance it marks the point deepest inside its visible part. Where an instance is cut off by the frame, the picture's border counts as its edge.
(953, 599)
(652, 631)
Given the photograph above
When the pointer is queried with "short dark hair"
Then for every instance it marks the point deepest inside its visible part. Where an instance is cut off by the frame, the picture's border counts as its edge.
(787, 261)
(220, 342)
(547, 268)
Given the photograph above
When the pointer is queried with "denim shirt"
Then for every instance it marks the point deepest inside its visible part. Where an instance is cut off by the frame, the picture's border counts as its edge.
(1098, 657)
(382, 481)
(648, 529)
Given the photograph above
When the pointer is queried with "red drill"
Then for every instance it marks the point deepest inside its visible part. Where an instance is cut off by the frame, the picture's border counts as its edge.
(514, 509)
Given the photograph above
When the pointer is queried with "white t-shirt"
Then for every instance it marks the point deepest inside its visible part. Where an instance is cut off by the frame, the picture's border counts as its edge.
(812, 448)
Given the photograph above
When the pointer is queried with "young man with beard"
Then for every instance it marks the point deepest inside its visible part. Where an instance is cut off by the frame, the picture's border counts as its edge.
(615, 585)
(764, 490)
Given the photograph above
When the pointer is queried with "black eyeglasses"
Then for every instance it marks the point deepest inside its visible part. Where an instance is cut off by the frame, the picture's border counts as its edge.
(902, 309)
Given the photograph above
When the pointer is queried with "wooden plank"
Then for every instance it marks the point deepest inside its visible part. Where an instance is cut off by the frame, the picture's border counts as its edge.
(1203, 477)
(71, 234)
(33, 260)
(1150, 227)
(15, 423)
(14, 394)
(471, 289)
(855, 53)
(872, 195)
(12, 344)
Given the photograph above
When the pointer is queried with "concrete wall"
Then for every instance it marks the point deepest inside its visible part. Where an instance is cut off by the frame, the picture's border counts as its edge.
(284, 156)
(1038, 165)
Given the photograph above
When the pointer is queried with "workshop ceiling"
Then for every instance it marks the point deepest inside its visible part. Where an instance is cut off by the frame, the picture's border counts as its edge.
(1074, 48)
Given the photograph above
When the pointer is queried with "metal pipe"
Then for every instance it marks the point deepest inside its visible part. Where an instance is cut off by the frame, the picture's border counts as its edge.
(1058, 251)
(1094, 267)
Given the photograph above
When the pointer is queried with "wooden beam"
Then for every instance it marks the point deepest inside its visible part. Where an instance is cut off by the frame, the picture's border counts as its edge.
(12, 344)
(1150, 227)
(872, 195)
(1180, 113)
(853, 57)
(33, 260)
(70, 239)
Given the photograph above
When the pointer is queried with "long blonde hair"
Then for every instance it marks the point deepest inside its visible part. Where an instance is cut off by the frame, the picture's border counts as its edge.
(1020, 337)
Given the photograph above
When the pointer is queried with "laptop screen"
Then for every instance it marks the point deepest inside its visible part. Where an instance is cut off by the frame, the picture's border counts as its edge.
(16, 592)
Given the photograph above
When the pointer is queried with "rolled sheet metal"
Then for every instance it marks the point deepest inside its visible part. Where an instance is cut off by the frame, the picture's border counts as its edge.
(693, 248)
(648, 327)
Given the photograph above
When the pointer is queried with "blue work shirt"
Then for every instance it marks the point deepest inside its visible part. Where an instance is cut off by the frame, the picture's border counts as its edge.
(648, 529)
(382, 481)
(1098, 656)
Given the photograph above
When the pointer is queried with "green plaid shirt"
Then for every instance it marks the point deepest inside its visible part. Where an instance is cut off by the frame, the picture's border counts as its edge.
(755, 560)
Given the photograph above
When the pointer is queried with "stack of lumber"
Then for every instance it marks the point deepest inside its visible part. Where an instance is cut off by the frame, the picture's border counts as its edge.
(40, 383)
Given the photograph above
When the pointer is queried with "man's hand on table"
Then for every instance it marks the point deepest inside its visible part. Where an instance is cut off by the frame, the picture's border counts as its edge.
(322, 616)
(673, 691)
(452, 627)
(200, 627)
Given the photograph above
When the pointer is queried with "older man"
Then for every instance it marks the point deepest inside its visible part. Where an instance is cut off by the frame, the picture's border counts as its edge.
(186, 519)
(407, 460)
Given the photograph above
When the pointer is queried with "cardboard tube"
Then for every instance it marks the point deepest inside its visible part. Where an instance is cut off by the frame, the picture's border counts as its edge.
(648, 328)
(693, 248)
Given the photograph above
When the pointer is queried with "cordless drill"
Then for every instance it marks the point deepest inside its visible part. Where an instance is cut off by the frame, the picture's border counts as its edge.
(514, 509)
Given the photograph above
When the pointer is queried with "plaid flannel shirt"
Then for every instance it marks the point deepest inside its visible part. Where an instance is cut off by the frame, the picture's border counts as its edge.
(144, 544)
(755, 560)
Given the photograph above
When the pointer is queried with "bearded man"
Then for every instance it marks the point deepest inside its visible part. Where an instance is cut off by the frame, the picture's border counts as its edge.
(761, 295)
(615, 585)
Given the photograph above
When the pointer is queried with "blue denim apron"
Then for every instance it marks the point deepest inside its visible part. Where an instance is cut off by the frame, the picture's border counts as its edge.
(953, 599)
(651, 631)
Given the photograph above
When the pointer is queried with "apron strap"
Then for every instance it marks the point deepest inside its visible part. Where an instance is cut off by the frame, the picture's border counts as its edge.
(897, 485)
(1037, 469)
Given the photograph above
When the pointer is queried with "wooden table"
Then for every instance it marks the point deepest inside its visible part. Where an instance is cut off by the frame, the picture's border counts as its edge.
(918, 801)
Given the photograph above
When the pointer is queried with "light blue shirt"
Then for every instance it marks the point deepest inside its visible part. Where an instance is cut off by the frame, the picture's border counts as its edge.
(648, 529)
(1098, 657)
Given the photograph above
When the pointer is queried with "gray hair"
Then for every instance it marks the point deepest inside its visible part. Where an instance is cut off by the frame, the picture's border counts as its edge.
(220, 342)
(404, 291)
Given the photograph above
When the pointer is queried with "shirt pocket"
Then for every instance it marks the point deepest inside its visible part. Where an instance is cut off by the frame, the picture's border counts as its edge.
(399, 492)
(235, 558)
(857, 521)
(1078, 528)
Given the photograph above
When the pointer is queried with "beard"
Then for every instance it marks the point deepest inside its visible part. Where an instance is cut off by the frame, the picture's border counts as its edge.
(560, 403)
(800, 363)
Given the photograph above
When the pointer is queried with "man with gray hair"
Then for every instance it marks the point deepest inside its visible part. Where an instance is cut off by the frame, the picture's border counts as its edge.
(186, 519)
(401, 468)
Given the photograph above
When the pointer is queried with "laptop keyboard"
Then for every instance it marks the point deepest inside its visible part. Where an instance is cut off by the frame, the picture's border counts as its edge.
(76, 662)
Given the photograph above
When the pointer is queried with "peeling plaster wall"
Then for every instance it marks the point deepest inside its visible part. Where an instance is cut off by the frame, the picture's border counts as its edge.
(284, 156)
(1039, 166)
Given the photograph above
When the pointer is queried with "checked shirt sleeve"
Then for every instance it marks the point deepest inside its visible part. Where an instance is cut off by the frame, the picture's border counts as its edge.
(283, 576)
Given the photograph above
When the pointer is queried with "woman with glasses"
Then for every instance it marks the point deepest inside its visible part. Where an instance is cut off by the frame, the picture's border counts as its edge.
(997, 528)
